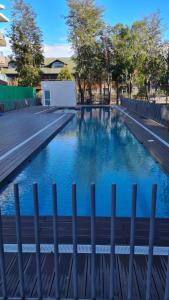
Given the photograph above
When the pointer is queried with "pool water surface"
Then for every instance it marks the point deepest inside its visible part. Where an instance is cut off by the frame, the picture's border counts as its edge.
(95, 147)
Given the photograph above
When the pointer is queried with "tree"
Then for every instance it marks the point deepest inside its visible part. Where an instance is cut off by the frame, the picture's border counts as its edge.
(65, 75)
(122, 56)
(126, 54)
(153, 64)
(85, 22)
(105, 59)
(26, 41)
(138, 56)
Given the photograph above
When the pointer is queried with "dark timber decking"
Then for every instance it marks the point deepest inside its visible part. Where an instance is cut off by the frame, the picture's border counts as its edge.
(17, 127)
(84, 276)
(84, 260)
(83, 231)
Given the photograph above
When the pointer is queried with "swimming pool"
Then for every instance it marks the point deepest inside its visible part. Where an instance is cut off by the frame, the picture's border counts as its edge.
(95, 146)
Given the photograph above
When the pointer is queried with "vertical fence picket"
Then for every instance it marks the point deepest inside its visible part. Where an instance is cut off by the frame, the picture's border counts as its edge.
(151, 242)
(166, 296)
(112, 244)
(93, 242)
(19, 240)
(132, 242)
(56, 240)
(74, 237)
(37, 240)
(2, 261)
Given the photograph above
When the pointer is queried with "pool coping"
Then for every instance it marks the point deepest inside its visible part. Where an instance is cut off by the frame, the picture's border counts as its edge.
(45, 136)
(87, 249)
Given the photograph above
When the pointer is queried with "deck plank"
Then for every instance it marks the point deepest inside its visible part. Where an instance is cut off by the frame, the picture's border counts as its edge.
(84, 276)
(83, 232)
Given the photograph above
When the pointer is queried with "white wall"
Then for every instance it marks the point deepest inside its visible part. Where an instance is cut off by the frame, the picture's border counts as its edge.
(62, 93)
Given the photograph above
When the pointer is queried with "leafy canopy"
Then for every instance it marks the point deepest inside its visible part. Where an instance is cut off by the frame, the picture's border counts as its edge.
(65, 75)
(26, 41)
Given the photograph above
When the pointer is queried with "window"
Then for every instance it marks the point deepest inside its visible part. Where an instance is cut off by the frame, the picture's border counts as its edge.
(12, 65)
(58, 64)
(47, 97)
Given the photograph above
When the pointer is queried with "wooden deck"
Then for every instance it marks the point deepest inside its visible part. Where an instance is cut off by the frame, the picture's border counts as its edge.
(84, 276)
(23, 133)
(20, 126)
(102, 261)
(122, 229)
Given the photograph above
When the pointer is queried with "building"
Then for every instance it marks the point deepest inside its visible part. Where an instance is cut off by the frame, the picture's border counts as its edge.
(3, 19)
(3, 77)
(59, 93)
(49, 70)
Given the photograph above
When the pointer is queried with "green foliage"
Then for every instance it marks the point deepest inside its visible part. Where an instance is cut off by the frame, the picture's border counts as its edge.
(65, 75)
(129, 56)
(139, 55)
(26, 40)
(152, 57)
(142, 92)
(84, 22)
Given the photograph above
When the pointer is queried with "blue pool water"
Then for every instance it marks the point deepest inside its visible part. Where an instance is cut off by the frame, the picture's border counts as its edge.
(96, 147)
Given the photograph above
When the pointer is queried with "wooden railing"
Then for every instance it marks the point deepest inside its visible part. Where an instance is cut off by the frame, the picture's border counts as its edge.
(112, 287)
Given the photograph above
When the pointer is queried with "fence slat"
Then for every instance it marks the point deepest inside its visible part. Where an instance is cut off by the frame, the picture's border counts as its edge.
(56, 240)
(37, 240)
(151, 242)
(112, 243)
(93, 242)
(19, 240)
(132, 242)
(166, 297)
(2, 261)
(74, 237)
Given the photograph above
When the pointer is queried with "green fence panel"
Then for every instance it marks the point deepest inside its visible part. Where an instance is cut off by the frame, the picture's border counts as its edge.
(10, 95)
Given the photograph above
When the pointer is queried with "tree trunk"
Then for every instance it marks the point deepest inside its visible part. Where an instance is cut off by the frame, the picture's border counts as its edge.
(100, 91)
(90, 91)
(147, 89)
(117, 92)
(109, 92)
(130, 88)
(81, 91)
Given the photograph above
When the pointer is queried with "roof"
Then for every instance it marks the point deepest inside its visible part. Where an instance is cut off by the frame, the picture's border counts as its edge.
(9, 71)
(66, 60)
(3, 18)
(51, 70)
(45, 69)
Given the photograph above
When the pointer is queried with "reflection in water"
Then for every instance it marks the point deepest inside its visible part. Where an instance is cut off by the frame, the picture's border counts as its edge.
(95, 147)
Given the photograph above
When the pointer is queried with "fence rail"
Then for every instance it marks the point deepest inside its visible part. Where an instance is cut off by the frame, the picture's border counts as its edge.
(14, 104)
(23, 289)
(148, 110)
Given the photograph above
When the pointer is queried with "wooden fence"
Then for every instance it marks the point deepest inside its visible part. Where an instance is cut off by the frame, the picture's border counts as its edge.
(22, 283)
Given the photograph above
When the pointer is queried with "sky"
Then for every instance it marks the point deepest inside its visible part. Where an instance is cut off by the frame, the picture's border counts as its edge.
(50, 18)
